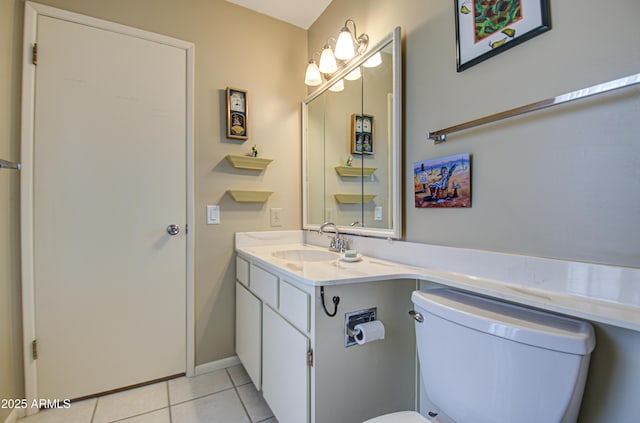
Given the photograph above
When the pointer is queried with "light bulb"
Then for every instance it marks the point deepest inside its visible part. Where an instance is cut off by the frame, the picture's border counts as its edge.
(337, 87)
(344, 45)
(327, 60)
(373, 61)
(354, 74)
(313, 77)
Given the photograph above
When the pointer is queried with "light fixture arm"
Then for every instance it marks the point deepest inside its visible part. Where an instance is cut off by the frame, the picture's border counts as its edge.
(328, 43)
(361, 40)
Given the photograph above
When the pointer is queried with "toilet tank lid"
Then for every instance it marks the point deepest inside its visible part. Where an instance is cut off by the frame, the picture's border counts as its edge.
(516, 323)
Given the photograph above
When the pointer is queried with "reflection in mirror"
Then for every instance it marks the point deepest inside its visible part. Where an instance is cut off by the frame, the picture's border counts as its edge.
(352, 145)
(377, 110)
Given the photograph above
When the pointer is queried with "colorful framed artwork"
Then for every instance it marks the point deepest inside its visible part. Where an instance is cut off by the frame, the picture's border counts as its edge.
(361, 134)
(444, 182)
(237, 114)
(486, 28)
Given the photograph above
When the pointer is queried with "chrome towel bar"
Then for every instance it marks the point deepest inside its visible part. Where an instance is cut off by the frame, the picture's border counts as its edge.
(441, 135)
(4, 164)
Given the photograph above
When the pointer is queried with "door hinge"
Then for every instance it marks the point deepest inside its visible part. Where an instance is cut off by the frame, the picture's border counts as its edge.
(34, 54)
(186, 229)
(34, 349)
(310, 358)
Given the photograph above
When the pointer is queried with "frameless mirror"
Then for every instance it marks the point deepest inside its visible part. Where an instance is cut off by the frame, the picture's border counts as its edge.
(352, 146)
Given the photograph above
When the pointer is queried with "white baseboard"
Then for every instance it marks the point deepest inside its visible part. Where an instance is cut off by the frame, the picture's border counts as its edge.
(217, 365)
(14, 415)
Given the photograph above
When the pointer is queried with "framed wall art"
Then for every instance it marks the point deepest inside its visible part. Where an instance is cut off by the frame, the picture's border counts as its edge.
(486, 28)
(361, 134)
(444, 182)
(237, 114)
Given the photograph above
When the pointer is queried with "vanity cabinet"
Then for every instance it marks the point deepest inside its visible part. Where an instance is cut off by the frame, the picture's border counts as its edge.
(285, 368)
(296, 355)
(249, 333)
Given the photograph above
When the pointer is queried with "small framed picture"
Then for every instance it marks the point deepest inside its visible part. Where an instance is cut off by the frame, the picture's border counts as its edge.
(237, 114)
(486, 28)
(361, 134)
(444, 182)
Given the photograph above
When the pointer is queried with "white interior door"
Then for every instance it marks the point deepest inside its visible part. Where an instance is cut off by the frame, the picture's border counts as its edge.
(109, 176)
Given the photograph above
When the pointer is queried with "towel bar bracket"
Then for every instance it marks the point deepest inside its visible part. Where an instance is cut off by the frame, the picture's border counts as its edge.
(4, 164)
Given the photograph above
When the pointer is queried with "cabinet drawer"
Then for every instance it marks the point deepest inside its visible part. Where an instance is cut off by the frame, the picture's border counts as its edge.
(294, 305)
(242, 270)
(264, 285)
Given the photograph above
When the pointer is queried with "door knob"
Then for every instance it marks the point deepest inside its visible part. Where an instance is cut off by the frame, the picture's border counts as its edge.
(173, 230)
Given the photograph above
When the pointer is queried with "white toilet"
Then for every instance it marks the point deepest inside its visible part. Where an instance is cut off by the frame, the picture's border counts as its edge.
(485, 361)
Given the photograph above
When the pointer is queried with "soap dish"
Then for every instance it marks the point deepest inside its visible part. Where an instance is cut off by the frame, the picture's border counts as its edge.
(358, 257)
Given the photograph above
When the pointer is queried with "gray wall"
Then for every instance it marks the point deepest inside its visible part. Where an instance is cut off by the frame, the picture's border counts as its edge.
(557, 183)
(560, 183)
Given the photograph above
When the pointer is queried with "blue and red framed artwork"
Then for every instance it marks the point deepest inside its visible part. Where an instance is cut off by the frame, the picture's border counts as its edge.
(444, 182)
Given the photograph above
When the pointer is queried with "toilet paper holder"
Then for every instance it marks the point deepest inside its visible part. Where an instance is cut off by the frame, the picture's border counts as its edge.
(355, 318)
(353, 332)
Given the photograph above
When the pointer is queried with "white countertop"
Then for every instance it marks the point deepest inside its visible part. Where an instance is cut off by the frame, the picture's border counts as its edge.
(605, 294)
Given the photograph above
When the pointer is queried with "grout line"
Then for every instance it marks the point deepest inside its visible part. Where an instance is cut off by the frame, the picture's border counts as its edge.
(95, 408)
(203, 396)
(137, 415)
(169, 402)
(235, 388)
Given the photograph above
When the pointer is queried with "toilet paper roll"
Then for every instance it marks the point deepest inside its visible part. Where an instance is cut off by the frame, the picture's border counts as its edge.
(369, 332)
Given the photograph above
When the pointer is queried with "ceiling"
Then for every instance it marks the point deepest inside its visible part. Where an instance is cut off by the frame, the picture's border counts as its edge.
(300, 13)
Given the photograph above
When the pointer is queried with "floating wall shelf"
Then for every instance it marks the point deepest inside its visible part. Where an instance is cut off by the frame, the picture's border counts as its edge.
(354, 198)
(355, 170)
(245, 196)
(248, 162)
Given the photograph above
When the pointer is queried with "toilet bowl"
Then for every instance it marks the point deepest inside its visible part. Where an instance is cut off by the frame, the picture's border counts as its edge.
(473, 350)
(408, 417)
(400, 417)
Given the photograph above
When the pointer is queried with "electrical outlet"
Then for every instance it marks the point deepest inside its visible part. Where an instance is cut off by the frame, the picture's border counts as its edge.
(276, 217)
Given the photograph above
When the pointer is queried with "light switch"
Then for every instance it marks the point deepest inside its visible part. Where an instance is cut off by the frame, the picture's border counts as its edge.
(213, 215)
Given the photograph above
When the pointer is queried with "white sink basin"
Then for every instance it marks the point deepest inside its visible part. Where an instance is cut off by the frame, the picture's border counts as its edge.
(306, 255)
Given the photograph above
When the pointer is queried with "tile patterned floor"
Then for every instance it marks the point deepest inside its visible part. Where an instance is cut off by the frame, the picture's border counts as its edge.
(223, 396)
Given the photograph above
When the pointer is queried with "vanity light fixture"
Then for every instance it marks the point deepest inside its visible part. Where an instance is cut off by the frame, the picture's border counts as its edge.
(337, 87)
(373, 61)
(313, 77)
(347, 46)
(327, 60)
(354, 74)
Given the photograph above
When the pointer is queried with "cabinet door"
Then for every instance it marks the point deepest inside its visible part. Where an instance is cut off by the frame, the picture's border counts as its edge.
(248, 332)
(285, 372)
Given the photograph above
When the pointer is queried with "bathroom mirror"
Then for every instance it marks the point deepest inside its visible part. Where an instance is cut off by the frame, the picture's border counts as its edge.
(352, 146)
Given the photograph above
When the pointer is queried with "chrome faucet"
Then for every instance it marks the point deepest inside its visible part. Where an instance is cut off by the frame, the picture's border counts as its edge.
(338, 243)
